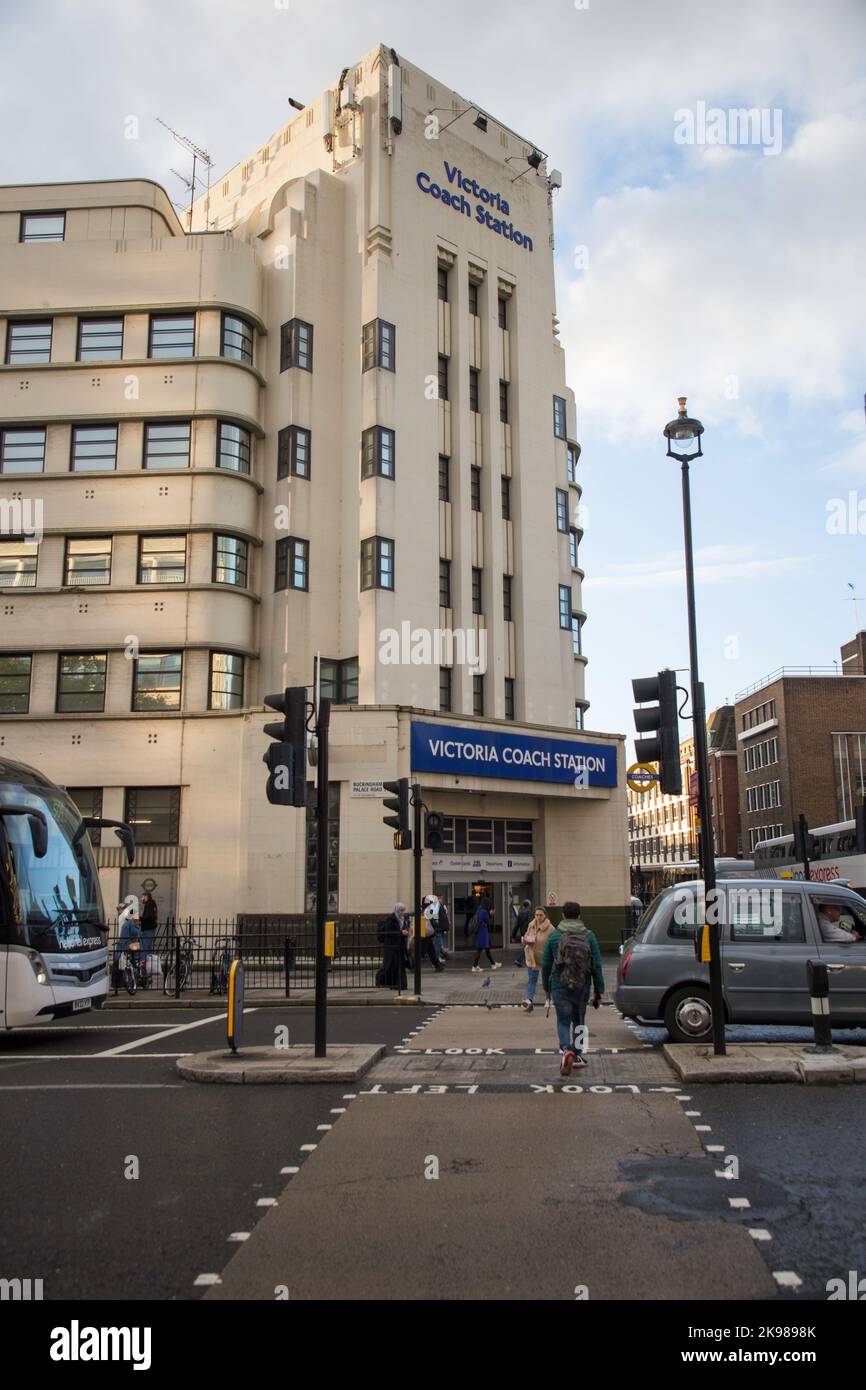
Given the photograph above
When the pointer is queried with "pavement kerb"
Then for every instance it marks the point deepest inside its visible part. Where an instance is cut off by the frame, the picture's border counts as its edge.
(345, 1064)
(695, 1065)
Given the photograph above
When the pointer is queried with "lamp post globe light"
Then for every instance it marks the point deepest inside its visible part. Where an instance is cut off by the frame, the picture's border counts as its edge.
(684, 436)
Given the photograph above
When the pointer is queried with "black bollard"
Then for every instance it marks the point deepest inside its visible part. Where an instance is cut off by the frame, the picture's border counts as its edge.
(819, 990)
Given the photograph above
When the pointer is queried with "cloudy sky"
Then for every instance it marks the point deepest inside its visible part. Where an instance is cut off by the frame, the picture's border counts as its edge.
(732, 273)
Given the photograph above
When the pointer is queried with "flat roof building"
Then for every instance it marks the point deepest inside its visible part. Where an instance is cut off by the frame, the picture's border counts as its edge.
(322, 415)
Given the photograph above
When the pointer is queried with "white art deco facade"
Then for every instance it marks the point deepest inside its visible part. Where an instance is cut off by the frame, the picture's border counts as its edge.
(330, 419)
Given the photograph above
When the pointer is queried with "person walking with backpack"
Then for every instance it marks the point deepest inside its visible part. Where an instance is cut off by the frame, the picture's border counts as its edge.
(481, 924)
(570, 965)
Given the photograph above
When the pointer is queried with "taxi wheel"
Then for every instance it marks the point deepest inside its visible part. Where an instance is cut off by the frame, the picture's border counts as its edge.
(689, 1015)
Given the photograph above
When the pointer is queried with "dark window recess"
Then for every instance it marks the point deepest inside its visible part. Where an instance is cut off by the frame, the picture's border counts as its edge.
(380, 345)
(377, 563)
(292, 569)
(475, 488)
(503, 402)
(294, 452)
(296, 345)
(443, 378)
(15, 684)
(442, 284)
(339, 681)
(154, 814)
(559, 417)
(444, 583)
(506, 499)
(509, 699)
(81, 683)
(473, 299)
(444, 479)
(378, 448)
(474, 400)
(157, 681)
(478, 695)
(445, 689)
(503, 311)
(477, 576)
(506, 597)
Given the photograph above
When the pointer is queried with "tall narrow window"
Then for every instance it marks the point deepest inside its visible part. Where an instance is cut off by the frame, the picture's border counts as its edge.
(509, 698)
(478, 695)
(444, 479)
(474, 398)
(444, 583)
(379, 345)
(475, 488)
(154, 814)
(443, 378)
(226, 681)
(572, 548)
(506, 499)
(377, 453)
(576, 635)
(28, 341)
(15, 684)
(294, 452)
(473, 299)
(234, 447)
(565, 607)
(507, 611)
(442, 284)
(296, 345)
(503, 311)
(237, 339)
(561, 510)
(230, 561)
(445, 689)
(477, 577)
(377, 563)
(292, 564)
(503, 402)
(572, 455)
(559, 417)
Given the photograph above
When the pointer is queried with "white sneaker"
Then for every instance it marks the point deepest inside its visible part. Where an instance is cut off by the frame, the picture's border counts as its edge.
(476, 970)
(498, 965)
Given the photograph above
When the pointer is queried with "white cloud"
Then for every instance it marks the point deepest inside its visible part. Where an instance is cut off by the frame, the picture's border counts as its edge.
(721, 564)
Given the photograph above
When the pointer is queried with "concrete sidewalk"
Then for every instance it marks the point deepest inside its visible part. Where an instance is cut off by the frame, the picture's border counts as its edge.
(487, 1197)
(695, 1064)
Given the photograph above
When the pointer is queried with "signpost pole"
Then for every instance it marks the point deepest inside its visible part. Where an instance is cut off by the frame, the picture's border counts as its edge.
(417, 850)
(322, 729)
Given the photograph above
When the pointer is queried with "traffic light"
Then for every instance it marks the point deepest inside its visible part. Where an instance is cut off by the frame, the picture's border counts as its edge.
(804, 841)
(286, 760)
(662, 719)
(434, 831)
(398, 801)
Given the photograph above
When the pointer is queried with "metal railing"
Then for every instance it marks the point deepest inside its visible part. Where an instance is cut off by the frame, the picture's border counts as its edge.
(783, 672)
(192, 955)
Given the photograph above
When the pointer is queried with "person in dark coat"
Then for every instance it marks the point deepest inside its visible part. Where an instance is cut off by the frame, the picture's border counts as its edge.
(483, 924)
(149, 916)
(524, 918)
(394, 934)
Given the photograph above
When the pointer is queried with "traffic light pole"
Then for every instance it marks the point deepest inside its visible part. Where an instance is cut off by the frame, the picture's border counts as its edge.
(417, 850)
(703, 770)
(322, 731)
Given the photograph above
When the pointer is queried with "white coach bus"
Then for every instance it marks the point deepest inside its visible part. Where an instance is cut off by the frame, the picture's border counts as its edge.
(836, 859)
(53, 955)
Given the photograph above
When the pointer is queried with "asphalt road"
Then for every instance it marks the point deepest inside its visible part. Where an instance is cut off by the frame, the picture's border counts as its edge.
(74, 1122)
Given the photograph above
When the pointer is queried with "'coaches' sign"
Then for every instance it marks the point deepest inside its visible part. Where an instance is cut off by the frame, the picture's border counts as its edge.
(522, 757)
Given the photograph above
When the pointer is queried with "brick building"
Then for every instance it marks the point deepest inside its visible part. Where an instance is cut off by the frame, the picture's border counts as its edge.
(801, 738)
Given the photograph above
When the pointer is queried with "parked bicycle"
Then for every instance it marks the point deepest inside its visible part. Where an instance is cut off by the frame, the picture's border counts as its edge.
(224, 954)
(169, 964)
(130, 970)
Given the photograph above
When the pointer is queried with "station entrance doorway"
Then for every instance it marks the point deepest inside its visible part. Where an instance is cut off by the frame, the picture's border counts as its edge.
(463, 897)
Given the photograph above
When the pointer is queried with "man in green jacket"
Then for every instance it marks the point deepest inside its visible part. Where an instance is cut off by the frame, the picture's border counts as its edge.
(571, 964)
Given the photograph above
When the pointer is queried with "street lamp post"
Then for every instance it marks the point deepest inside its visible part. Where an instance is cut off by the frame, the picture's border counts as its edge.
(686, 435)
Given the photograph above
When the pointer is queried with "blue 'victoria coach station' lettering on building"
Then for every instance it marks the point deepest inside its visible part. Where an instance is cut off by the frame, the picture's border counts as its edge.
(442, 748)
(484, 209)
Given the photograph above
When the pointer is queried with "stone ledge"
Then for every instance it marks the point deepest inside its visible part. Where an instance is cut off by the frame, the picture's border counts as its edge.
(695, 1064)
(281, 1066)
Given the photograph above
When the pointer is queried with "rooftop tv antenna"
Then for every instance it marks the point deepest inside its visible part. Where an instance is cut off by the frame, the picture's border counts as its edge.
(198, 156)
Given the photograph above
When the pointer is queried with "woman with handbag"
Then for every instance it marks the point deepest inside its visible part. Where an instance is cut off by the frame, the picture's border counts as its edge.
(534, 941)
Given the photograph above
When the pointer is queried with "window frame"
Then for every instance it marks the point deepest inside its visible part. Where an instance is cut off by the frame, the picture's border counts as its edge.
(160, 356)
(446, 677)
(173, 814)
(136, 693)
(445, 594)
(31, 357)
(83, 540)
(379, 346)
(241, 567)
(8, 430)
(444, 478)
(288, 441)
(292, 547)
(248, 359)
(508, 598)
(443, 377)
(566, 603)
(562, 518)
(291, 339)
(58, 690)
(220, 453)
(165, 425)
(40, 240)
(229, 656)
(158, 536)
(84, 320)
(475, 390)
(510, 705)
(378, 544)
(560, 418)
(478, 696)
(13, 676)
(29, 551)
(372, 459)
(504, 403)
(477, 592)
(77, 431)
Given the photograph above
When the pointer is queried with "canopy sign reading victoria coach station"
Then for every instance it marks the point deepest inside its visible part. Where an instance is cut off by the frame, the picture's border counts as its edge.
(520, 757)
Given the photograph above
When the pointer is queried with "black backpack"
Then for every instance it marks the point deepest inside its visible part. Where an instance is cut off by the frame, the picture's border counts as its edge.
(573, 964)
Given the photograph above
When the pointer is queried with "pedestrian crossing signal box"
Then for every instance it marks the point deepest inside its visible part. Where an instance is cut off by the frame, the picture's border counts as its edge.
(330, 940)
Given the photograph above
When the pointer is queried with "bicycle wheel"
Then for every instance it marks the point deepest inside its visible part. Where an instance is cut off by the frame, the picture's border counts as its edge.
(167, 973)
(129, 979)
(184, 973)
